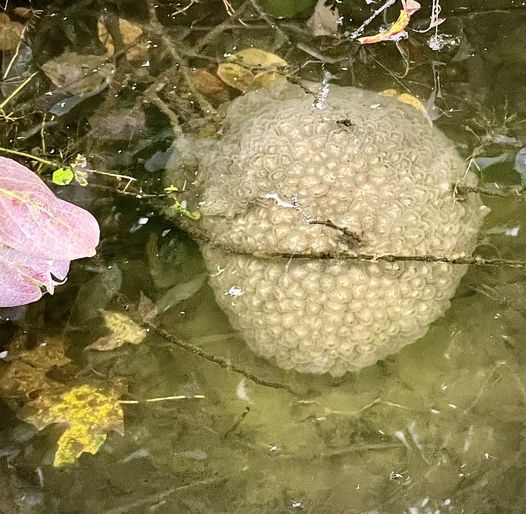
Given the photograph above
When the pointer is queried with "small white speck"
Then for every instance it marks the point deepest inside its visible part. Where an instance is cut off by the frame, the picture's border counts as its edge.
(234, 291)
(242, 393)
(219, 271)
(279, 201)
(512, 232)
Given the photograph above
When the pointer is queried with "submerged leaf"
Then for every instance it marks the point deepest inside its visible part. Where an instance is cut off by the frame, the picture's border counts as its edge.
(257, 58)
(181, 292)
(10, 33)
(24, 277)
(250, 69)
(325, 21)
(210, 85)
(78, 74)
(164, 260)
(96, 293)
(89, 413)
(408, 99)
(130, 33)
(26, 374)
(33, 220)
(123, 331)
(235, 76)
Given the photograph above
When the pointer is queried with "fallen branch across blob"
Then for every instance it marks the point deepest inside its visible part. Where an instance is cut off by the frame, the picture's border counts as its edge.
(455, 259)
(509, 192)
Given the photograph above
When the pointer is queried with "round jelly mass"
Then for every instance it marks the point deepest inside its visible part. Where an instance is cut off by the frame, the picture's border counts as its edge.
(369, 164)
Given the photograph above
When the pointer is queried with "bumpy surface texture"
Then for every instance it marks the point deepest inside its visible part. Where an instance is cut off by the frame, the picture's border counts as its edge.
(365, 162)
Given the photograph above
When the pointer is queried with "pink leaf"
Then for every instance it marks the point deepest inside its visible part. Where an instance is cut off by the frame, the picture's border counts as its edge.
(33, 220)
(24, 277)
(59, 269)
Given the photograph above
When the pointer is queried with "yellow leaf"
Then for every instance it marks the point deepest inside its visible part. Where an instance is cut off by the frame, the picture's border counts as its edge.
(250, 69)
(235, 76)
(88, 413)
(257, 58)
(408, 99)
(123, 330)
(389, 92)
(413, 101)
(266, 79)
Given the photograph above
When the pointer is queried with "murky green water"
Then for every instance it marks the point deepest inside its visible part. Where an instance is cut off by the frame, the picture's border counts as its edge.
(438, 428)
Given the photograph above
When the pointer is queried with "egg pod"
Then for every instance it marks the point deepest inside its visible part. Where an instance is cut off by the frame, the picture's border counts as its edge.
(388, 173)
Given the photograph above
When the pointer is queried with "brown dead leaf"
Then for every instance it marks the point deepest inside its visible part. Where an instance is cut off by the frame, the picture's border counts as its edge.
(25, 12)
(146, 309)
(78, 74)
(10, 33)
(123, 331)
(210, 85)
(130, 33)
(325, 21)
(26, 374)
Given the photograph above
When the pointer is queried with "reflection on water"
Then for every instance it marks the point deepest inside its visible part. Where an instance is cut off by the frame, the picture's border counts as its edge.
(438, 427)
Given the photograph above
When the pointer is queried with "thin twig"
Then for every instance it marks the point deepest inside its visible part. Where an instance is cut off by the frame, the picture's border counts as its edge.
(15, 55)
(151, 95)
(271, 23)
(220, 361)
(159, 30)
(17, 90)
(218, 29)
(28, 156)
(184, 9)
(318, 55)
(163, 399)
(362, 27)
(513, 192)
(352, 236)
(158, 497)
(238, 422)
